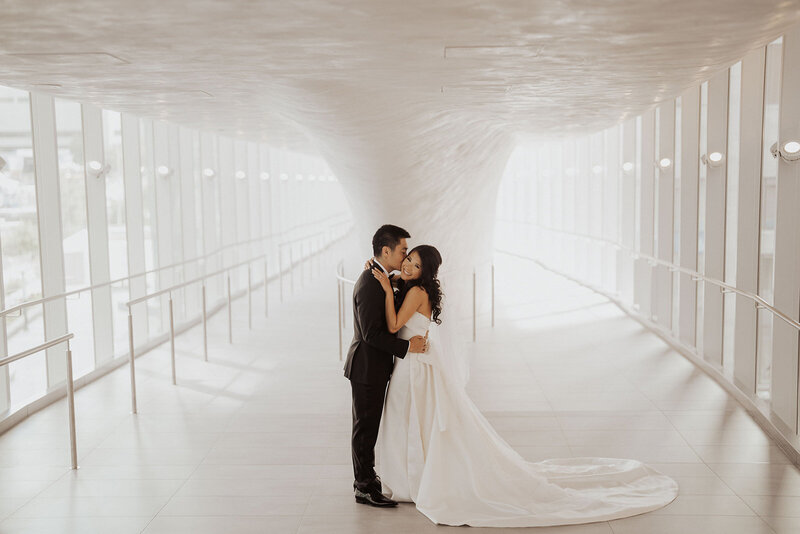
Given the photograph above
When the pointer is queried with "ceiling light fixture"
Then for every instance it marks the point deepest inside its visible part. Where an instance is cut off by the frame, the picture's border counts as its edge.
(97, 169)
(264, 176)
(208, 173)
(597, 169)
(298, 177)
(713, 159)
(789, 152)
(240, 175)
(284, 177)
(664, 163)
(164, 171)
(569, 171)
(627, 166)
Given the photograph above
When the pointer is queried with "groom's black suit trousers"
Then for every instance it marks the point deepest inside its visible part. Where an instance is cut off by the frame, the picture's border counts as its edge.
(367, 408)
(368, 366)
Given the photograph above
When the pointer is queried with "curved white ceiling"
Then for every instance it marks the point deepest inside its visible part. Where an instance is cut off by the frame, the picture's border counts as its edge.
(414, 104)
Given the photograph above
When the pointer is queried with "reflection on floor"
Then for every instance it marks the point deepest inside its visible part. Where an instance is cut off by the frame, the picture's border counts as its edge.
(257, 440)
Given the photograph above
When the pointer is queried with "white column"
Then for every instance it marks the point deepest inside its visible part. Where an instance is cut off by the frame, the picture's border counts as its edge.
(242, 204)
(690, 183)
(611, 209)
(625, 276)
(188, 159)
(163, 212)
(227, 198)
(48, 209)
(666, 191)
(716, 188)
(748, 219)
(97, 222)
(134, 221)
(643, 271)
(254, 197)
(787, 244)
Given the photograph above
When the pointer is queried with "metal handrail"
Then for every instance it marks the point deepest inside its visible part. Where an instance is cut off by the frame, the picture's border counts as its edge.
(169, 290)
(200, 279)
(759, 301)
(70, 385)
(42, 300)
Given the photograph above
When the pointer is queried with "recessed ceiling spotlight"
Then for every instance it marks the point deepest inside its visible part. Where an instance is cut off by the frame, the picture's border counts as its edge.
(597, 169)
(312, 178)
(284, 177)
(240, 175)
(665, 163)
(298, 177)
(208, 173)
(627, 166)
(792, 147)
(264, 176)
(569, 171)
(164, 171)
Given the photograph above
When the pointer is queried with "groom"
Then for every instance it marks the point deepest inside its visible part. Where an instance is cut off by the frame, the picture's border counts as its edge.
(370, 361)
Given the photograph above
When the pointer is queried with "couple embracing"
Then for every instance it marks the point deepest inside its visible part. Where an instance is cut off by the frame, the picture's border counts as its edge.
(437, 449)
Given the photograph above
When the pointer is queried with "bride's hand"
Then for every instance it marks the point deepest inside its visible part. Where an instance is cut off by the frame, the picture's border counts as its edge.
(368, 264)
(383, 279)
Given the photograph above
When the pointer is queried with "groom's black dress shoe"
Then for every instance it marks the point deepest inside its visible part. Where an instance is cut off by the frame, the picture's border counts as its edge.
(374, 497)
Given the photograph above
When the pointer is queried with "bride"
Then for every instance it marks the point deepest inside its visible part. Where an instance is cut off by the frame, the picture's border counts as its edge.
(438, 451)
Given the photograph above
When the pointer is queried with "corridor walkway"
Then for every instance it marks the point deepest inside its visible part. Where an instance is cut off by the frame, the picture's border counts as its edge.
(257, 439)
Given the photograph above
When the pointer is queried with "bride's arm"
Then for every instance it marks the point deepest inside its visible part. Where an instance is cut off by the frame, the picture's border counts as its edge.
(414, 299)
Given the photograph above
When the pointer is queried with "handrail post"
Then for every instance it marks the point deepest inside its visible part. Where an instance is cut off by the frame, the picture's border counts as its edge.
(73, 442)
(172, 340)
(230, 313)
(492, 295)
(132, 358)
(266, 289)
(474, 309)
(339, 291)
(249, 299)
(205, 324)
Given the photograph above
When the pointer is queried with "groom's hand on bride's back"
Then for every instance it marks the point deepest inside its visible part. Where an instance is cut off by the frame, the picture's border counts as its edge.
(417, 344)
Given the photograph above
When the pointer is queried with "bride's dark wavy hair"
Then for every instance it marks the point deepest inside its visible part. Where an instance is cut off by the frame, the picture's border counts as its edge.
(431, 260)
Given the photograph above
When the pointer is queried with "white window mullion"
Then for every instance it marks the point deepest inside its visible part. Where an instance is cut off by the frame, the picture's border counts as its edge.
(48, 210)
(748, 218)
(714, 243)
(787, 244)
(97, 223)
(134, 222)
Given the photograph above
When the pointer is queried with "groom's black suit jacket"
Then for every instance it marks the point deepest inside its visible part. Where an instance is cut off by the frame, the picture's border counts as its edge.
(369, 360)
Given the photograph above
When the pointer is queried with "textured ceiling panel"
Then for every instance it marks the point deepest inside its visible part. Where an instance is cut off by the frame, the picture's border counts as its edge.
(415, 104)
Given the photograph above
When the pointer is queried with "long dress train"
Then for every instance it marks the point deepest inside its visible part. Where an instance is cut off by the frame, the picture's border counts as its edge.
(438, 451)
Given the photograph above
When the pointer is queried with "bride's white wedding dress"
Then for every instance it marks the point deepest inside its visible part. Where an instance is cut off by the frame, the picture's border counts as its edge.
(438, 451)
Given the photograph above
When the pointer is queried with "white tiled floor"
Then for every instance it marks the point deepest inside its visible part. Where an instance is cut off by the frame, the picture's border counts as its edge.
(257, 439)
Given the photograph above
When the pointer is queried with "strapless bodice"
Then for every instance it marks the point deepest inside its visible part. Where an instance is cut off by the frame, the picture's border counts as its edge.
(416, 326)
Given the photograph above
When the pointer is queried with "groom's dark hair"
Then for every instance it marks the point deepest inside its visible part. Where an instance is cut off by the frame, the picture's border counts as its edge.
(387, 235)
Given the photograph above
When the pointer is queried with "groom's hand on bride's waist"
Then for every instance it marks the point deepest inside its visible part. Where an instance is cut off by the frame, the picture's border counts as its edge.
(417, 344)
